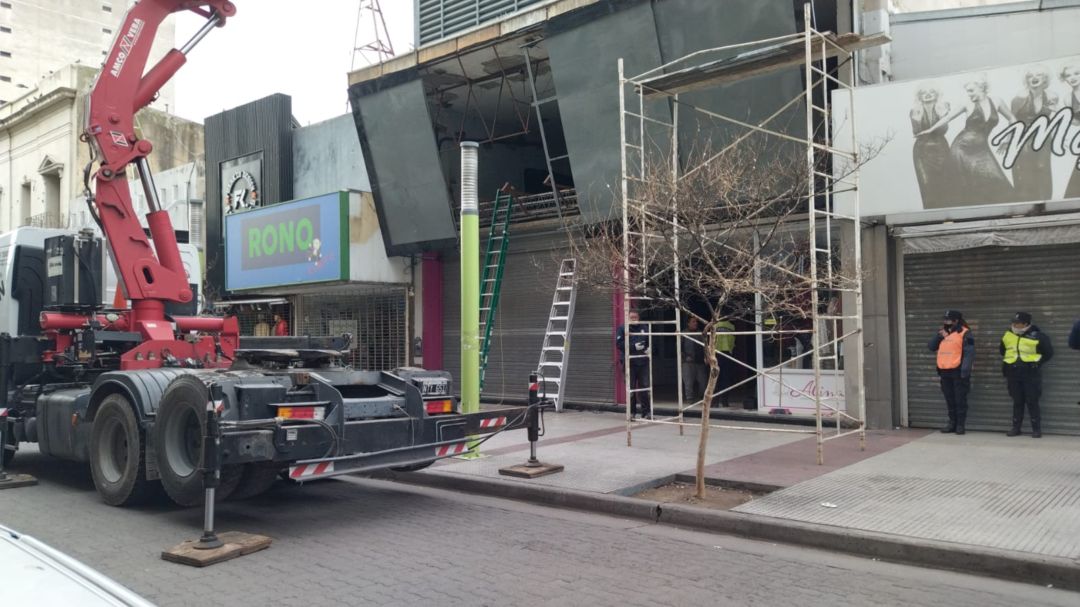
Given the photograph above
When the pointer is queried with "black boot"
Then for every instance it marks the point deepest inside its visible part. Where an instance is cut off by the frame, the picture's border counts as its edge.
(950, 427)
(1036, 428)
(1015, 431)
(960, 426)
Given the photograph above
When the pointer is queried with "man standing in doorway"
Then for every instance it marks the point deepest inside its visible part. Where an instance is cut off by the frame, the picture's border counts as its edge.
(695, 371)
(724, 344)
(955, 347)
(639, 362)
(1024, 350)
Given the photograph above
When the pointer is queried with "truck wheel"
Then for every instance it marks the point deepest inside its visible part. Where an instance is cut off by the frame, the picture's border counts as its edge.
(256, 479)
(178, 436)
(118, 454)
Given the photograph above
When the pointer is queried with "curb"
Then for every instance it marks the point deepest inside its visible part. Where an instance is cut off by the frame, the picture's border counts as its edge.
(989, 562)
(727, 414)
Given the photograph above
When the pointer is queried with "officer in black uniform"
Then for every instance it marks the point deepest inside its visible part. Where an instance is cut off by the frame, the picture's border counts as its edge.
(1024, 350)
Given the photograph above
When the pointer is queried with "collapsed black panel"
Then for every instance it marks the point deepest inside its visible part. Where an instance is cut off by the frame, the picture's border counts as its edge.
(407, 180)
(688, 26)
(584, 61)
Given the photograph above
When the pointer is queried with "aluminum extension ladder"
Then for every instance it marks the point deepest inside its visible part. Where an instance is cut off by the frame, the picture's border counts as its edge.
(491, 274)
(555, 353)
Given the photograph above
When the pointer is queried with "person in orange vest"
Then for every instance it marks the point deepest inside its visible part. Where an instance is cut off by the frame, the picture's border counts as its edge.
(955, 347)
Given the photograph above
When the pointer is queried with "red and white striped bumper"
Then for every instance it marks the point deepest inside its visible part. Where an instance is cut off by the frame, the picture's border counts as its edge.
(305, 472)
(455, 449)
(492, 422)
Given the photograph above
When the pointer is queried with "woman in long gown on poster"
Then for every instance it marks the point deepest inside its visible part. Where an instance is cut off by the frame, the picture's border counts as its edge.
(1031, 171)
(930, 153)
(1070, 75)
(979, 177)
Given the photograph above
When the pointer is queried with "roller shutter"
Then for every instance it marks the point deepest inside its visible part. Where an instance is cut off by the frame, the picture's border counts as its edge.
(989, 285)
(527, 290)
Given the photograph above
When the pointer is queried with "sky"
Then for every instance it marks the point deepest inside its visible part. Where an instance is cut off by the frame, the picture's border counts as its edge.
(302, 48)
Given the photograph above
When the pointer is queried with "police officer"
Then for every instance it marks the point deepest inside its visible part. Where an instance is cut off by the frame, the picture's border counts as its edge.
(724, 346)
(637, 336)
(1024, 349)
(955, 347)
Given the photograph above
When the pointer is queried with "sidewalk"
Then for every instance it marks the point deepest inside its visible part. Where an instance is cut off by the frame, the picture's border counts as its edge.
(982, 496)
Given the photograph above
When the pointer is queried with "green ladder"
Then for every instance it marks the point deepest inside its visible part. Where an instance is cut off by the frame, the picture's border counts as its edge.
(492, 272)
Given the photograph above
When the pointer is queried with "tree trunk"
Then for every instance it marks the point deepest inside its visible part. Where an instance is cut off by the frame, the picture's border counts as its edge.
(706, 405)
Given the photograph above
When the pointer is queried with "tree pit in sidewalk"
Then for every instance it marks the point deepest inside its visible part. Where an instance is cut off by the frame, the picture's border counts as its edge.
(716, 497)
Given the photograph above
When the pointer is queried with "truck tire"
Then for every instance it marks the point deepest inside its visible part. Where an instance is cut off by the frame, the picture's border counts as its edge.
(118, 454)
(256, 479)
(179, 427)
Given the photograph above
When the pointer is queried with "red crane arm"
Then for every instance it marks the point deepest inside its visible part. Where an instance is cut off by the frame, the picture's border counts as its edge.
(120, 90)
(150, 275)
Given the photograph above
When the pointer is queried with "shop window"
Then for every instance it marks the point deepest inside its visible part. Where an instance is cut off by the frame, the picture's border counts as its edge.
(25, 200)
(375, 317)
(5, 29)
(5, 53)
(106, 30)
(106, 8)
(5, 78)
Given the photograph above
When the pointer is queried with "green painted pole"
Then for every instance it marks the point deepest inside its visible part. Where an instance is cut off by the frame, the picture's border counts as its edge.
(470, 284)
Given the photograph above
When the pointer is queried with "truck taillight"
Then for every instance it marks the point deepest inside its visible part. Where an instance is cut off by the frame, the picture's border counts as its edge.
(438, 407)
(301, 412)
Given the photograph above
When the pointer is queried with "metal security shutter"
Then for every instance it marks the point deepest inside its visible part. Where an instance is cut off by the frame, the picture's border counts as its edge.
(989, 285)
(374, 315)
(528, 286)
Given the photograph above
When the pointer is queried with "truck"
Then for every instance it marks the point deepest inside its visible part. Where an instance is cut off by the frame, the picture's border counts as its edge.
(156, 397)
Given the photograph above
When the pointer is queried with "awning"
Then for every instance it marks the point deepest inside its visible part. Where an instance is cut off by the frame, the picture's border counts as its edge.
(268, 301)
(1010, 232)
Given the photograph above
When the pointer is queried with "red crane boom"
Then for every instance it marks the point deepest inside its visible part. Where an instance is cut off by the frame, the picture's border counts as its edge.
(151, 274)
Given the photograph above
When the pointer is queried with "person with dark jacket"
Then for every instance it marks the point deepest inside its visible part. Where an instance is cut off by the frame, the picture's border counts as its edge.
(955, 347)
(1024, 350)
(1074, 336)
(695, 371)
(639, 362)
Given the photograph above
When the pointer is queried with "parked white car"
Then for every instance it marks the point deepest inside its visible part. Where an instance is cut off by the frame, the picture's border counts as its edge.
(37, 574)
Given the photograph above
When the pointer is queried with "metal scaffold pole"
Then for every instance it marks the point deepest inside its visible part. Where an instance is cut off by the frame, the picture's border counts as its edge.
(832, 282)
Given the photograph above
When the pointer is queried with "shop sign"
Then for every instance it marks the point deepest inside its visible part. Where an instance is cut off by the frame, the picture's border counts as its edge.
(292, 243)
(794, 390)
(241, 179)
(993, 136)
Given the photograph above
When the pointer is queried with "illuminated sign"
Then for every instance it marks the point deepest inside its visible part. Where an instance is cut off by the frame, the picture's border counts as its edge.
(292, 243)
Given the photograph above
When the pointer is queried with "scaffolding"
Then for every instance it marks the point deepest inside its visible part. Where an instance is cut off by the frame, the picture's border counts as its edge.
(644, 122)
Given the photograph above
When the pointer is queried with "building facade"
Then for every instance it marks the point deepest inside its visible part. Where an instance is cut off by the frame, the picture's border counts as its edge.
(973, 202)
(538, 89)
(39, 37)
(292, 231)
(41, 157)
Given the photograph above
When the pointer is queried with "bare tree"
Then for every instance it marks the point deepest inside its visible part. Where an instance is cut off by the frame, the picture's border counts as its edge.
(716, 237)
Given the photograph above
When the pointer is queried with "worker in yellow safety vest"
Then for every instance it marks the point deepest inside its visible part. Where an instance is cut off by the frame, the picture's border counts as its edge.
(1024, 350)
(724, 346)
(955, 347)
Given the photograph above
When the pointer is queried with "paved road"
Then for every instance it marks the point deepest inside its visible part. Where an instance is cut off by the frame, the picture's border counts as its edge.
(361, 542)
